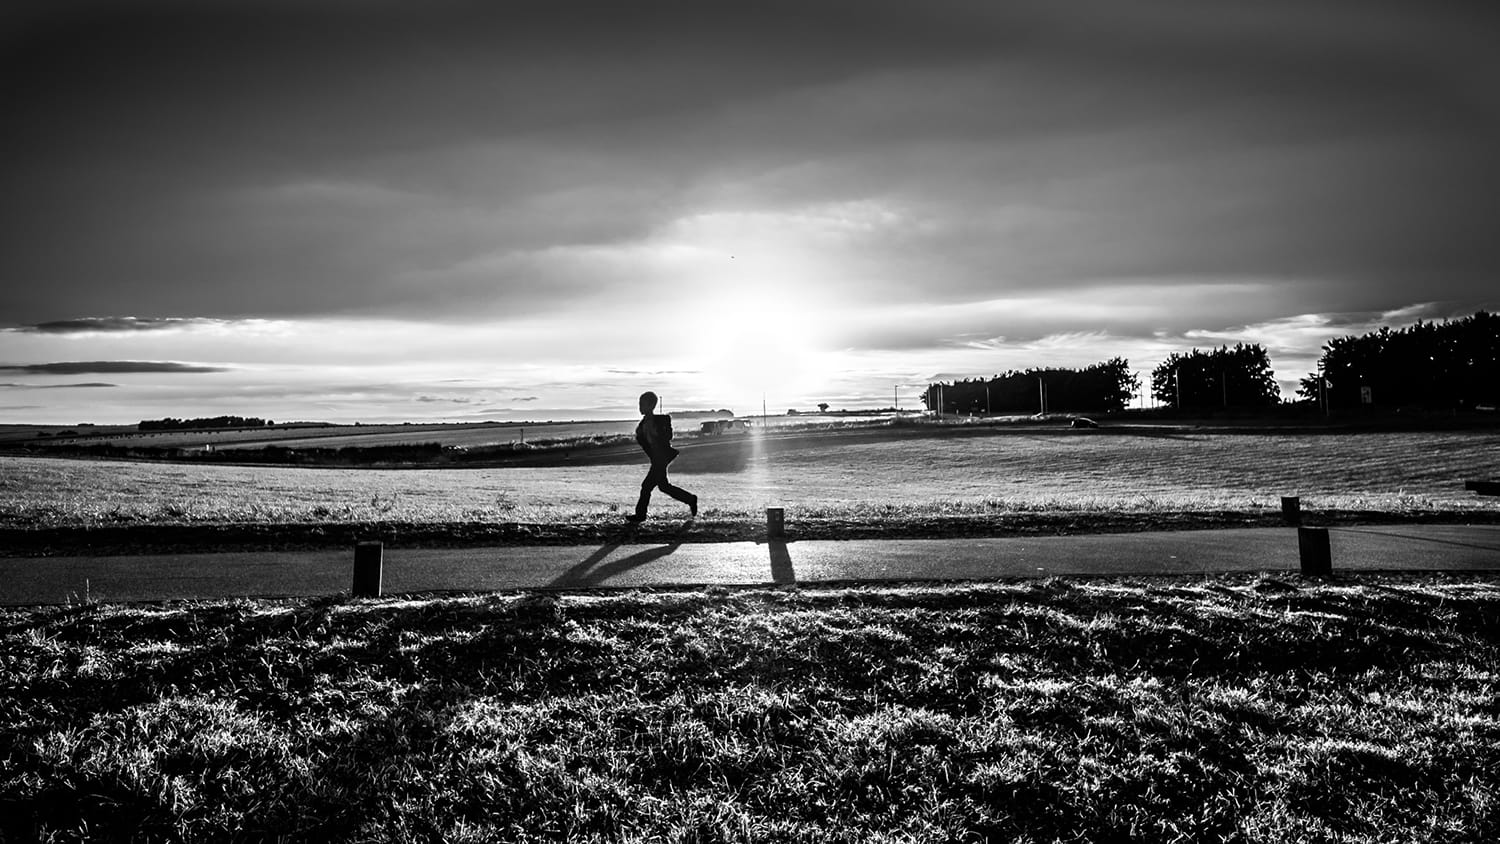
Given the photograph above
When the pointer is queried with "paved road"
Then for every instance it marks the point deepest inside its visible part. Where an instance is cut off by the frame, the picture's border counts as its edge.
(44, 580)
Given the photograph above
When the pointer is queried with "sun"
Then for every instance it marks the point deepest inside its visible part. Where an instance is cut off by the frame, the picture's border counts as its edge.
(753, 341)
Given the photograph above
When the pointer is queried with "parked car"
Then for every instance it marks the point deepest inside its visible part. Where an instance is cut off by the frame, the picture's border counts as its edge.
(724, 426)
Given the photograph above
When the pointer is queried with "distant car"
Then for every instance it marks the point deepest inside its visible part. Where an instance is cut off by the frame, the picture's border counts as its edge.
(723, 426)
(1082, 422)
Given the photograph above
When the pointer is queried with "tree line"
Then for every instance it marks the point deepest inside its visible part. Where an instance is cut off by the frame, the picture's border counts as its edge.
(174, 424)
(1100, 387)
(1239, 377)
(1450, 365)
(1454, 364)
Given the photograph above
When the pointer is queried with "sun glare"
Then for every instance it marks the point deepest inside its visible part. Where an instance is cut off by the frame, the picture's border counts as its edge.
(756, 341)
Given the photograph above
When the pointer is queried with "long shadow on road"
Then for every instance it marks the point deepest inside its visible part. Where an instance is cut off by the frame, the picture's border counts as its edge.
(589, 572)
(781, 563)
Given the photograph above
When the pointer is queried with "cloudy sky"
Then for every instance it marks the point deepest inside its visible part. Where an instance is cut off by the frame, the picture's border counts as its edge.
(446, 210)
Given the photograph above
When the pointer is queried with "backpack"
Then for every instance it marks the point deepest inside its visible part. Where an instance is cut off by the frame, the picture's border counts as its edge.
(663, 422)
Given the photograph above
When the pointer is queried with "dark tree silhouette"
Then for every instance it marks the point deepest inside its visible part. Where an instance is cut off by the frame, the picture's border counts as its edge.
(1101, 387)
(1223, 377)
(174, 424)
(1449, 365)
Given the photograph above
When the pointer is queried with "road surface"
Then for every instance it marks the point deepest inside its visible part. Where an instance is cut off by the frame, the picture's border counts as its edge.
(52, 580)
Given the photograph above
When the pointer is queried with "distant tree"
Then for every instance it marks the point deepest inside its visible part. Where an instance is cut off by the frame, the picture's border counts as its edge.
(822, 407)
(1103, 386)
(1222, 377)
(1453, 364)
(1114, 383)
(174, 424)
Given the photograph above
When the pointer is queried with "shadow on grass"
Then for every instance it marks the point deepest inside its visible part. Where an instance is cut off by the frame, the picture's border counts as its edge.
(726, 456)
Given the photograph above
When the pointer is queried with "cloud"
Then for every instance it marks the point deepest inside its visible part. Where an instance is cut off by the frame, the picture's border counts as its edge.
(57, 386)
(85, 325)
(1024, 147)
(107, 366)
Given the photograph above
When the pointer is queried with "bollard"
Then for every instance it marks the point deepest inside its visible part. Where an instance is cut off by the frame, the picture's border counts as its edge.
(1313, 549)
(775, 522)
(367, 569)
(1291, 509)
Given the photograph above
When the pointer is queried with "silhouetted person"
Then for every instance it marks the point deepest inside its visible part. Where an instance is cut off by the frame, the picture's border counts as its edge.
(654, 433)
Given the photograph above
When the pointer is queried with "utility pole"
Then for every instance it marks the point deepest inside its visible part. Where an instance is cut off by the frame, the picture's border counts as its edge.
(986, 398)
(1177, 382)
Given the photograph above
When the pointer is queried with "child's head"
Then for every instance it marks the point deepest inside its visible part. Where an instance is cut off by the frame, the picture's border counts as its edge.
(648, 401)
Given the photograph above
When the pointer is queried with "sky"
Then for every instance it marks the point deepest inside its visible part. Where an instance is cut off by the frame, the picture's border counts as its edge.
(408, 211)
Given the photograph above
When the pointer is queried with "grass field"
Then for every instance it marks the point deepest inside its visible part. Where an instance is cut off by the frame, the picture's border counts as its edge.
(323, 435)
(1225, 709)
(1235, 708)
(334, 436)
(890, 475)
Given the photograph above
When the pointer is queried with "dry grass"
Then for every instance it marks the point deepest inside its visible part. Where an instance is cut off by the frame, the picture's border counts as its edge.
(339, 436)
(1225, 709)
(860, 478)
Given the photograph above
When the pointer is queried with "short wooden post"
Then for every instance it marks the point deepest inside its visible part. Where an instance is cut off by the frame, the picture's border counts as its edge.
(367, 569)
(1314, 552)
(775, 522)
(1291, 509)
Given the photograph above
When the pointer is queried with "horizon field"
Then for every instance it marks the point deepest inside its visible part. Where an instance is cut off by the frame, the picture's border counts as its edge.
(888, 477)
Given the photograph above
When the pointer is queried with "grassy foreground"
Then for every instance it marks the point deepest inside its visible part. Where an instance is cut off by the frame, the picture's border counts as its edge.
(1227, 708)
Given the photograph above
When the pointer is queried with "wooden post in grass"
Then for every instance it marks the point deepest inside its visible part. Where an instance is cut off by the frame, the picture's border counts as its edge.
(1291, 509)
(775, 522)
(1313, 549)
(367, 569)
